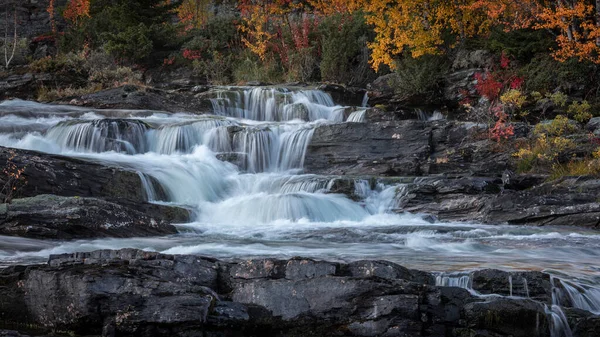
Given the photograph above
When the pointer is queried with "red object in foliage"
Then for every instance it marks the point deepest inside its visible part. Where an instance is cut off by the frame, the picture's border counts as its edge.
(504, 61)
(43, 38)
(516, 83)
(488, 86)
(192, 54)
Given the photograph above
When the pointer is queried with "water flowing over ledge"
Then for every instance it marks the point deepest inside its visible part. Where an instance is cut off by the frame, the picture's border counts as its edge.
(240, 169)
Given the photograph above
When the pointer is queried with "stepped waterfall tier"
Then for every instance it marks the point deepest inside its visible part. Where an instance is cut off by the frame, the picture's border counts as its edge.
(239, 170)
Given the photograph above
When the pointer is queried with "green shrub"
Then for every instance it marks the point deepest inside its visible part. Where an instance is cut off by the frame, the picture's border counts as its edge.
(133, 44)
(544, 74)
(344, 52)
(580, 111)
(250, 68)
(417, 76)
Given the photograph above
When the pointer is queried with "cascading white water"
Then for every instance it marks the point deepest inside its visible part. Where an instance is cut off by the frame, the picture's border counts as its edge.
(267, 206)
(459, 280)
(100, 135)
(577, 295)
(168, 139)
(358, 116)
(275, 104)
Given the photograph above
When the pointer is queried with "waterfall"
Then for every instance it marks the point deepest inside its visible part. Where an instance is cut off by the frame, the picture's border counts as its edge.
(365, 100)
(459, 280)
(168, 139)
(275, 104)
(559, 325)
(101, 135)
(577, 295)
(273, 148)
(358, 116)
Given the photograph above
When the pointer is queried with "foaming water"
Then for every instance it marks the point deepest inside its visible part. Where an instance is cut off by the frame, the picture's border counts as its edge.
(263, 205)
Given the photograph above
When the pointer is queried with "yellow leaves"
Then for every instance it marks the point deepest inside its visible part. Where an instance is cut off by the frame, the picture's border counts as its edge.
(513, 98)
(420, 26)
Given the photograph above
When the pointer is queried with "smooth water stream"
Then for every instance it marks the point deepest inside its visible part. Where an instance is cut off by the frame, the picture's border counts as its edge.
(268, 207)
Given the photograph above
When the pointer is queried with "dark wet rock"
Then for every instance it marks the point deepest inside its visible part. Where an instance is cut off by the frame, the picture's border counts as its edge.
(568, 201)
(388, 270)
(236, 158)
(368, 149)
(64, 176)
(54, 217)
(137, 293)
(22, 85)
(594, 126)
(534, 285)
(344, 95)
(505, 317)
(134, 97)
(405, 147)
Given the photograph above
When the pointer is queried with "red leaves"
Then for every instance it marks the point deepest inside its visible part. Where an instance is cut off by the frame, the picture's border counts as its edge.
(488, 86)
(192, 54)
(502, 130)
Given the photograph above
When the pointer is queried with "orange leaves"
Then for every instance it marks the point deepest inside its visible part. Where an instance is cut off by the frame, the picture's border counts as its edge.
(422, 26)
(193, 13)
(77, 9)
(579, 27)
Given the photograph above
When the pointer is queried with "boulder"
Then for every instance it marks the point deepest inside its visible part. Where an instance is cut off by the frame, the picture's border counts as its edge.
(64, 176)
(63, 218)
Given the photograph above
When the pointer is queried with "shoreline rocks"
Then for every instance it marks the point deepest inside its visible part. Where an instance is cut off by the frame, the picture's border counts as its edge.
(138, 293)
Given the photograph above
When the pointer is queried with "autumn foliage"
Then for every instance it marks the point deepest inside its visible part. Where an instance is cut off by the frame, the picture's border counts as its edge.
(421, 26)
(77, 9)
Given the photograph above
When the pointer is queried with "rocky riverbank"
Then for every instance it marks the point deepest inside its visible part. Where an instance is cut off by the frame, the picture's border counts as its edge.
(107, 179)
(137, 293)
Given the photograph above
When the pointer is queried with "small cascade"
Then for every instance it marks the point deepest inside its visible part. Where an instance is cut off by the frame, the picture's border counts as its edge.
(576, 295)
(459, 280)
(260, 146)
(510, 286)
(275, 104)
(101, 135)
(365, 100)
(273, 148)
(378, 200)
(424, 116)
(526, 287)
(359, 116)
(559, 325)
(173, 138)
(292, 148)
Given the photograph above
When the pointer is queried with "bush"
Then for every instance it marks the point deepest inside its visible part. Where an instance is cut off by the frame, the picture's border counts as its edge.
(344, 52)
(133, 44)
(575, 168)
(250, 68)
(418, 76)
(48, 95)
(559, 126)
(580, 111)
(216, 69)
(544, 74)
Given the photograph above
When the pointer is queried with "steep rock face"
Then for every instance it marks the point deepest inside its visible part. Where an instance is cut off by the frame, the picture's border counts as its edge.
(54, 217)
(136, 293)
